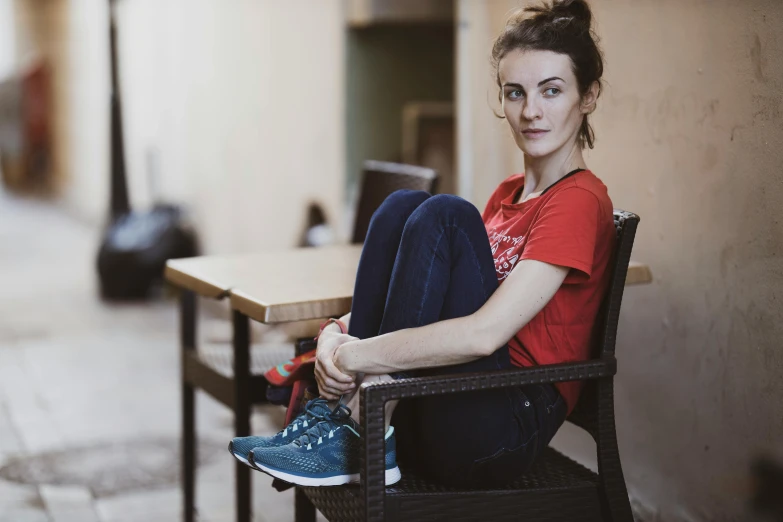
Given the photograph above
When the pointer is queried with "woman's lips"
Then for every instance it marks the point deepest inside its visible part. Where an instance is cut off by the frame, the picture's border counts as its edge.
(535, 133)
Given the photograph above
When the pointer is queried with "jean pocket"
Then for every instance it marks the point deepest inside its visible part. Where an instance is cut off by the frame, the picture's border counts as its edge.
(505, 464)
(551, 412)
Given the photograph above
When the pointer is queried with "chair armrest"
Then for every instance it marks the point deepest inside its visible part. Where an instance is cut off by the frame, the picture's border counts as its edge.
(375, 395)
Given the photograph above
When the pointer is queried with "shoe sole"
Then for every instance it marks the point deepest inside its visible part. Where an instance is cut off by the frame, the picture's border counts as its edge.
(392, 477)
(239, 457)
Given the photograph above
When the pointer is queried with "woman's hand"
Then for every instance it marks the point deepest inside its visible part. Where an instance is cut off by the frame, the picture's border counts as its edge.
(345, 357)
(332, 383)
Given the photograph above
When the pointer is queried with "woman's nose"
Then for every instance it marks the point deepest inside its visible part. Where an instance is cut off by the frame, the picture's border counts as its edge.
(531, 109)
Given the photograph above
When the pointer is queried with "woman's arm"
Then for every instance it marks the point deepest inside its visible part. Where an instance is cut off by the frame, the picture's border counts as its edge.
(528, 288)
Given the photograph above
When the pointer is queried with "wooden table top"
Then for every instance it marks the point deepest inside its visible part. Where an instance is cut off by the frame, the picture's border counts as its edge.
(275, 287)
(291, 285)
(638, 274)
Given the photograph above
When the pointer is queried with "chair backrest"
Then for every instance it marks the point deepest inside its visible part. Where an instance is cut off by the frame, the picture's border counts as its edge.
(381, 178)
(585, 415)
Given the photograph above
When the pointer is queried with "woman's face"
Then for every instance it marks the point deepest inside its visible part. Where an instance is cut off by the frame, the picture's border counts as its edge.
(541, 101)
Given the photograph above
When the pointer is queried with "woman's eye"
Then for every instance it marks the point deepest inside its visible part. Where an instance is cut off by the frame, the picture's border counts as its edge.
(514, 95)
(552, 91)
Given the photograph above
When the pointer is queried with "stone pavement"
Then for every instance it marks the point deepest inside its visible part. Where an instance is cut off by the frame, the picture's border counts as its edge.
(89, 395)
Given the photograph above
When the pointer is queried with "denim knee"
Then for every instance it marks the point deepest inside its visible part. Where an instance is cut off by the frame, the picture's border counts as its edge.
(397, 207)
(404, 198)
(444, 209)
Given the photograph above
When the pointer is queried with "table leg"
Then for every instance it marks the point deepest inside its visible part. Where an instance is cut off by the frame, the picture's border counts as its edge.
(242, 409)
(187, 344)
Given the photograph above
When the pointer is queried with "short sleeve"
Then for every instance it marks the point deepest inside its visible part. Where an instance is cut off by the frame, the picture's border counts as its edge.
(564, 232)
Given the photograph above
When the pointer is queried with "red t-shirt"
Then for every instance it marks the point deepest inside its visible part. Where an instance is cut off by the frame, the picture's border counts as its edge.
(570, 224)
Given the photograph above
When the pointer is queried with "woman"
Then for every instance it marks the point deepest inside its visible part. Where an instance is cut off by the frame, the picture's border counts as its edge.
(440, 287)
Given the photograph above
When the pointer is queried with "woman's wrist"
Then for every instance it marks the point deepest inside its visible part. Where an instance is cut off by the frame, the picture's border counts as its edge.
(332, 326)
(342, 358)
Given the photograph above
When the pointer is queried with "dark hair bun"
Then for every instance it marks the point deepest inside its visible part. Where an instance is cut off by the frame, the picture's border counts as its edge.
(560, 15)
(576, 9)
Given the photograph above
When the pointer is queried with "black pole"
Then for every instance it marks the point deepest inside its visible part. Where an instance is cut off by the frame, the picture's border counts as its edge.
(119, 203)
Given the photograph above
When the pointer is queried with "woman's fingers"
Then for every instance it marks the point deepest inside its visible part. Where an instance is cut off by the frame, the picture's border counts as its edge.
(328, 367)
(330, 387)
(332, 383)
(325, 393)
(336, 387)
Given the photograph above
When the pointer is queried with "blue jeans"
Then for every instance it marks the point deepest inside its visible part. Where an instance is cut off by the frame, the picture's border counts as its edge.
(426, 259)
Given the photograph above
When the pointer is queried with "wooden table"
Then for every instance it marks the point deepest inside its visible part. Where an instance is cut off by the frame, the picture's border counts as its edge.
(638, 274)
(291, 285)
(273, 287)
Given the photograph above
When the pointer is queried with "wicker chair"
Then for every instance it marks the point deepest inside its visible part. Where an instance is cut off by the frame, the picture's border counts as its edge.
(555, 489)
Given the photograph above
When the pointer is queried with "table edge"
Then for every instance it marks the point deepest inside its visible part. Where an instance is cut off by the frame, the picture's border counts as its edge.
(284, 312)
(202, 286)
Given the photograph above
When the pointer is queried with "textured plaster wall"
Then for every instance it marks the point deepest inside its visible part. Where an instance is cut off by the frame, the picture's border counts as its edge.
(690, 136)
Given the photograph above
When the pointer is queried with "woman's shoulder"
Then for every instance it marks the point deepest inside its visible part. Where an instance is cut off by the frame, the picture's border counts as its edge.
(504, 190)
(512, 182)
(587, 181)
(506, 187)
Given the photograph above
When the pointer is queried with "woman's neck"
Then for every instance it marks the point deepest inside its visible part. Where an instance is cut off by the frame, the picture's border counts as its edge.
(540, 173)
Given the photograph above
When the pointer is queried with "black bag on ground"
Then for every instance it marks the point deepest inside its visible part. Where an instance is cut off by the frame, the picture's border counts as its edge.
(135, 249)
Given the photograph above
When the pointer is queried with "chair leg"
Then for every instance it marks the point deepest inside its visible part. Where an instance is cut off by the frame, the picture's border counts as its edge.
(187, 343)
(242, 410)
(304, 510)
(615, 504)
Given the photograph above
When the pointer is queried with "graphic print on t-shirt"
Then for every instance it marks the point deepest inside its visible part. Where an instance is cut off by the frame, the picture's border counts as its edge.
(504, 261)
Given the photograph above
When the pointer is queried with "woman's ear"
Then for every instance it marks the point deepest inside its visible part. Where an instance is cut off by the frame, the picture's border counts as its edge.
(590, 98)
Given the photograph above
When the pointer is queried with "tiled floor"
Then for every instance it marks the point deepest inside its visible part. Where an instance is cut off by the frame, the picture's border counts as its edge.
(76, 373)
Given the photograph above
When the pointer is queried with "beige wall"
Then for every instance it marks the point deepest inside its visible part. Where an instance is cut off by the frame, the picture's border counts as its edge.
(7, 40)
(690, 136)
(237, 105)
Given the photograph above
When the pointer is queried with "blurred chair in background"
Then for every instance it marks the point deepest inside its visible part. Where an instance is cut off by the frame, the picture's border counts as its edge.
(381, 178)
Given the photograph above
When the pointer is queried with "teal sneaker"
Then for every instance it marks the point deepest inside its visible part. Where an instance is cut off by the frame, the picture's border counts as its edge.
(326, 455)
(314, 411)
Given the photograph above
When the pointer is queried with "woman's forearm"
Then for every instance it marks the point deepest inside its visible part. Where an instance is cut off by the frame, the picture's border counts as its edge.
(526, 291)
(443, 343)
